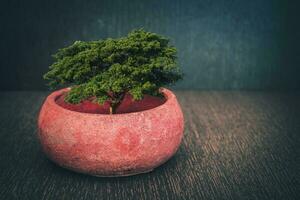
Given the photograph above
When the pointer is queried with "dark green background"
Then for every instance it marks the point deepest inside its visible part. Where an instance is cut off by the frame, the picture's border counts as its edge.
(225, 44)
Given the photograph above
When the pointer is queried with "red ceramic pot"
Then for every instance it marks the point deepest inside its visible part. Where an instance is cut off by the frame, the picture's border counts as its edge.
(110, 145)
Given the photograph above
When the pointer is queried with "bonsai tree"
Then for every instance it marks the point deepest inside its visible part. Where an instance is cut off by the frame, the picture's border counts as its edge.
(139, 64)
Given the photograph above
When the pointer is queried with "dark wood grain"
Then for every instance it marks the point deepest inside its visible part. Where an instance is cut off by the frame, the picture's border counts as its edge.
(237, 145)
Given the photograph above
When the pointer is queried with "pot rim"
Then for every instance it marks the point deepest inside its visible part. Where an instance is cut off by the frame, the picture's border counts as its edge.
(51, 99)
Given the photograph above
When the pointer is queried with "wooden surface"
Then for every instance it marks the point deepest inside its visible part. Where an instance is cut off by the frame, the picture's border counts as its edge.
(237, 145)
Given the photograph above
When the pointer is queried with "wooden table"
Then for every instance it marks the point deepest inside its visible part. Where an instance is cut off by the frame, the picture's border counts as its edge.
(237, 145)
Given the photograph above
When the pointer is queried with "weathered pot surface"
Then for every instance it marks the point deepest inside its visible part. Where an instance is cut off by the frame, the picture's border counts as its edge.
(110, 145)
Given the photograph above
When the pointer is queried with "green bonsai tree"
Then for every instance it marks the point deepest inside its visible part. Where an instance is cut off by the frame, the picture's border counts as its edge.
(139, 64)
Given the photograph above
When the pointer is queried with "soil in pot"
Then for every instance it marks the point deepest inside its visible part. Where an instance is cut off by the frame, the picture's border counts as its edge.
(128, 105)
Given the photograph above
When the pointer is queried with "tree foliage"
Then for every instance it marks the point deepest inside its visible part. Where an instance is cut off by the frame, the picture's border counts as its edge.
(139, 63)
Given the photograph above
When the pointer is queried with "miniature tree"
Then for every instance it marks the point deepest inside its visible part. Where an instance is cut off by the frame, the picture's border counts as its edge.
(138, 64)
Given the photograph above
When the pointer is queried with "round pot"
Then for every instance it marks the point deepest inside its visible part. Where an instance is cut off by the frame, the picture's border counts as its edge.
(110, 145)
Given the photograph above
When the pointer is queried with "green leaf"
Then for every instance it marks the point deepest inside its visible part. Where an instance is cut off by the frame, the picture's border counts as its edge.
(139, 63)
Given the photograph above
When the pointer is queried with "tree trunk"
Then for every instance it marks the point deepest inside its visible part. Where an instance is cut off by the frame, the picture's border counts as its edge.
(113, 108)
(114, 104)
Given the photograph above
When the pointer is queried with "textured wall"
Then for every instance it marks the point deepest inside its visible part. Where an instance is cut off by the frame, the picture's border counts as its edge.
(225, 44)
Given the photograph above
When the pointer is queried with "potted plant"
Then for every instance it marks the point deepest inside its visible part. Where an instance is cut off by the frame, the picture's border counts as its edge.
(114, 118)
